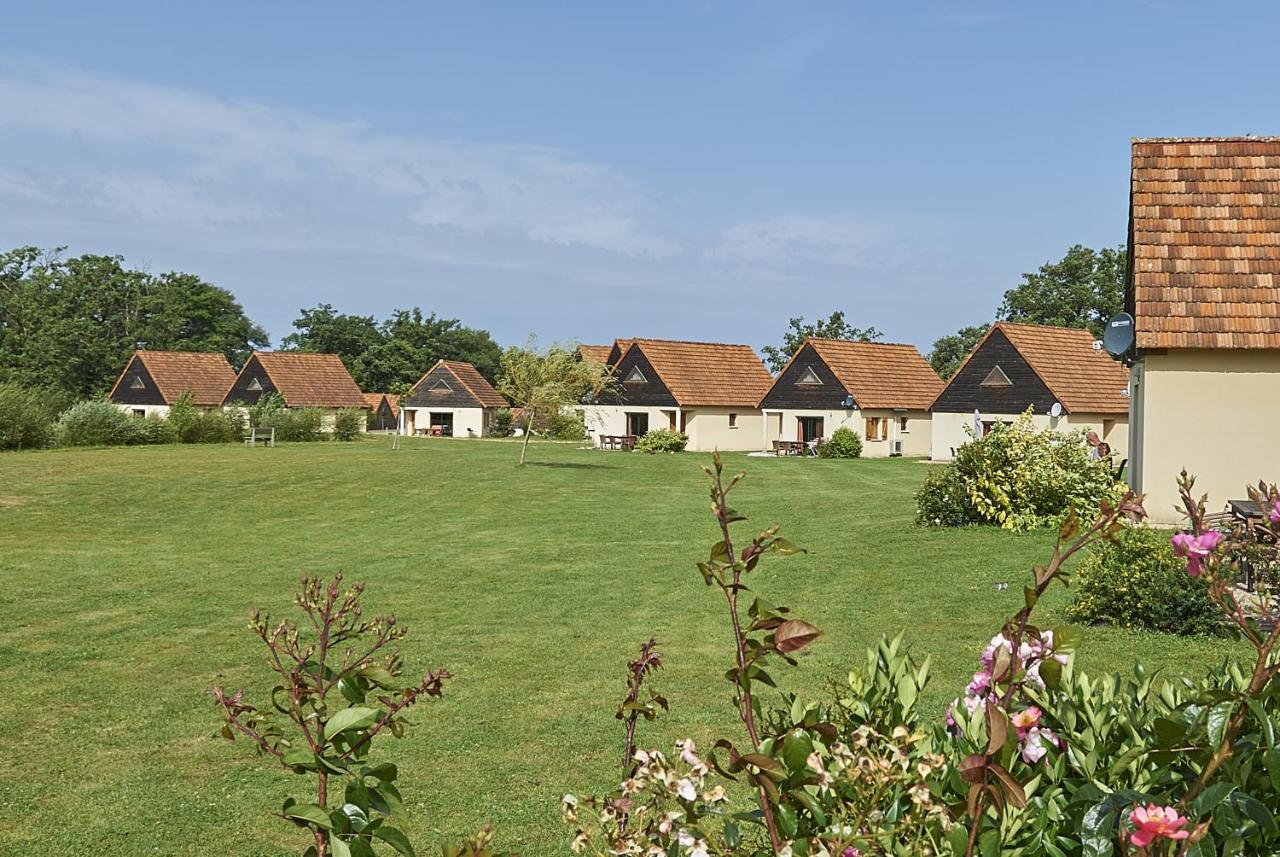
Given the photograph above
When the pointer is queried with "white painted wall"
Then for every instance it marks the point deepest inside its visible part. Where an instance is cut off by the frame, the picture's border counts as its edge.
(916, 438)
(467, 422)
(147, 410)
(949, 429)
(708, 429)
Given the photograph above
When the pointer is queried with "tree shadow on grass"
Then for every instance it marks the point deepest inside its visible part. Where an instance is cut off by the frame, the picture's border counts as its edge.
(571, 465)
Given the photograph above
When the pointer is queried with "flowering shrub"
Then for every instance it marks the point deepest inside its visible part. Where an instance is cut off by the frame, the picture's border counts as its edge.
(1136, 581)
(662, 440)
(843, 443)
(1019, 478)
(943, 500)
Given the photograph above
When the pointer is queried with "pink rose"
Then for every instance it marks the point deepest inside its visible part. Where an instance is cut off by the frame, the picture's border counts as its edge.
(1196, 548)
(1156, 822)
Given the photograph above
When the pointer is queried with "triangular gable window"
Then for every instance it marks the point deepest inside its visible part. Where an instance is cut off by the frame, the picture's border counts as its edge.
(996, 378)
(809, 378)
(440, 386)
(255, 386)
(138, 383)
(636, 377)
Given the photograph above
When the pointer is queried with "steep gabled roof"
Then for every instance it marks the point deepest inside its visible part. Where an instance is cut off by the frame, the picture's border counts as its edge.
(373, 401)
(1082, 378)
(309, 380)
(1204, 242)
(206, 375)
(471, 380)
(598, 353)
(879, 375)
(707, 373)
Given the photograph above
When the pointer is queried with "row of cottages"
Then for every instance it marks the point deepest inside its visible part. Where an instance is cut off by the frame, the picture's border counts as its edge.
(880, 390)
(711, 391)
(152, 381)
(1061, 374)
(1203, 287)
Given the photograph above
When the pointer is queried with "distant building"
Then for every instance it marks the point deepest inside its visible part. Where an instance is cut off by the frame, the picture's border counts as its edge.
(153, 380)
(301, 379)
(880, 390)
(384, 411)
(1020, 366)
(1204, 289)
(451, 400)
(709, 390)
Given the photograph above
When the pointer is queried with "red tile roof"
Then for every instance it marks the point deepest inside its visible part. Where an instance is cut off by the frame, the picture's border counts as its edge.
(598, 353)
(1084, 379)
(311, 380)
(707, 373)
(471, 380)
(1205, 242)
(206, 376)
(880, 375)
(374, 401)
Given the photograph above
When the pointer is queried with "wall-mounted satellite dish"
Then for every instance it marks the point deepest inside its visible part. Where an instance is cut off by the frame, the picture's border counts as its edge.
(1120, 337)
(848, 401)
(1056, 409)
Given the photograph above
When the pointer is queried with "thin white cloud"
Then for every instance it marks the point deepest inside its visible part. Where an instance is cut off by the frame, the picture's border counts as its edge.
(795, 239)
(162, 155)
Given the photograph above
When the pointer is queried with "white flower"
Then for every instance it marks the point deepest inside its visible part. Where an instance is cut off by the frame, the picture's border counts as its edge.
(699, 849)
(686, 790)
(685, 838)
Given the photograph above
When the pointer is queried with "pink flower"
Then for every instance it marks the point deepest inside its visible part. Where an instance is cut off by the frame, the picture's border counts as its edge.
(981, 683)
(851, 852)
(1275, 513)
(1156, 822)
(1195, 549)
(1026, 720)
(1034, 741)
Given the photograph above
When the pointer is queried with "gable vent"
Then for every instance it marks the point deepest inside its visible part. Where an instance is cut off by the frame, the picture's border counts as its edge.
(138, 383)
(636, 377)
(996, 378)
(810, 377)
(255, 386)
(440, 386)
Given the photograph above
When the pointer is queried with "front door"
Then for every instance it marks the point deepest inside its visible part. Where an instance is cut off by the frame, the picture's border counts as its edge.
(442, 423)
(637, 424)
(810, 428)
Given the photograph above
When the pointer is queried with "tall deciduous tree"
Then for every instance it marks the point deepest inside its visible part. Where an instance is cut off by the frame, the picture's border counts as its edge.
(950, 351)
(832, 327)
(544, 382)
(71, 324)
(1082, 290)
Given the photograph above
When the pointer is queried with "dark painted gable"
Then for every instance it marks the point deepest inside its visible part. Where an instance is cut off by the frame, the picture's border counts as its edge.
(965, 393)
(650, 393)
(127, 393)
(787, 393)
(440, 388)
(383, 419)
(240, 391)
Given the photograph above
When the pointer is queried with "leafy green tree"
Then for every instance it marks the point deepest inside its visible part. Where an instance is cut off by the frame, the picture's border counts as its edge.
(832, 327)
(323, 330)
(546, 382)
(950, 351)
(71, 324)
(1082, 290)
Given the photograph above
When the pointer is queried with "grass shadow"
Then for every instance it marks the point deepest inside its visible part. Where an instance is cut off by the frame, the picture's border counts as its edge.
(571, 465)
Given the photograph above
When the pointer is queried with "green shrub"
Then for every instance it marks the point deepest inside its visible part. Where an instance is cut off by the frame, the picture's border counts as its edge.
(97, 422)
(566, 426)
(662, 440)
(843, 443)
(266, 411)
(26, 416)
(943, 500)
(1137, 582)
(154, 428)
(348, 423)
(182, 417)
(503, 424)
(298, 425)
(1021, 478)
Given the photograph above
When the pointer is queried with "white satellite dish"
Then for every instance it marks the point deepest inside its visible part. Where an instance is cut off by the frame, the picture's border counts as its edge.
(1056, 409)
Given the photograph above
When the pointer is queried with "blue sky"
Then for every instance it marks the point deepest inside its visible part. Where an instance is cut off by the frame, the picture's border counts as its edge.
(591, 171)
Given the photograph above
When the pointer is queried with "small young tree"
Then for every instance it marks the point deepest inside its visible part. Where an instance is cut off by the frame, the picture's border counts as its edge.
(353, 660)
(545, 382)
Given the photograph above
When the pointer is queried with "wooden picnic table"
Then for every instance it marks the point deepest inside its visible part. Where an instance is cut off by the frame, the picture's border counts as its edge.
(790, 447)
(618, 441)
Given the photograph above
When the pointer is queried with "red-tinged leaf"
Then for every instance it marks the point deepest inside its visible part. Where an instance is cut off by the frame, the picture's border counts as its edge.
(973, 768)
(1013, 791)
(997, 728)
(793, 635)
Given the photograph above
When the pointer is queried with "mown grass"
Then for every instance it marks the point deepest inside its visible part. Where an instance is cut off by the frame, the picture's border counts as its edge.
(128, 574)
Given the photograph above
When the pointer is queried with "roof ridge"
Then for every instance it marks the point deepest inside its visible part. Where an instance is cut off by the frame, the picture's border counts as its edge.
(1245, 138)
(691, 342)
(861, 342)
(1033, 326)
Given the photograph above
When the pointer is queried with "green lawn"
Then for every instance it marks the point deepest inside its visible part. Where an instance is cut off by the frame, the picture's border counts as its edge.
(128, 574)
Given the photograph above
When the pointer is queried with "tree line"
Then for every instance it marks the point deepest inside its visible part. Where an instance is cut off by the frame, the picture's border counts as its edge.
(69, 324)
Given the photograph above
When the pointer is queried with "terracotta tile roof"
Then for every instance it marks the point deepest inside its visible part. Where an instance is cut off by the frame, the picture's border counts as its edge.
(707, 373)
(880, 374)
(598, 353)
(471, 379)
(1083, 379)
(1205, 242)
(311, 380)
(373, 401)
(207, 376)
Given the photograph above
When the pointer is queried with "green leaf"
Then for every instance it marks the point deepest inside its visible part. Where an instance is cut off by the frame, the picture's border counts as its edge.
(1051, 673)
(786, 818)
(308, 814)
(395, 839)
(355, 717)
(796, 747)
(1219, 716)
(1209, 799)
(786, 548)
(300, 758)
(337, 847)
(732, 835)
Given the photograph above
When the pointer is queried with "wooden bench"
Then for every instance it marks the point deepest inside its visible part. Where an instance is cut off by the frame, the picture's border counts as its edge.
(266, 435)
(618, 441)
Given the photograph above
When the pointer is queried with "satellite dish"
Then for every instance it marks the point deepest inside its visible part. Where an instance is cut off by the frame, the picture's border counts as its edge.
(1119, 337)
(1056, 409)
